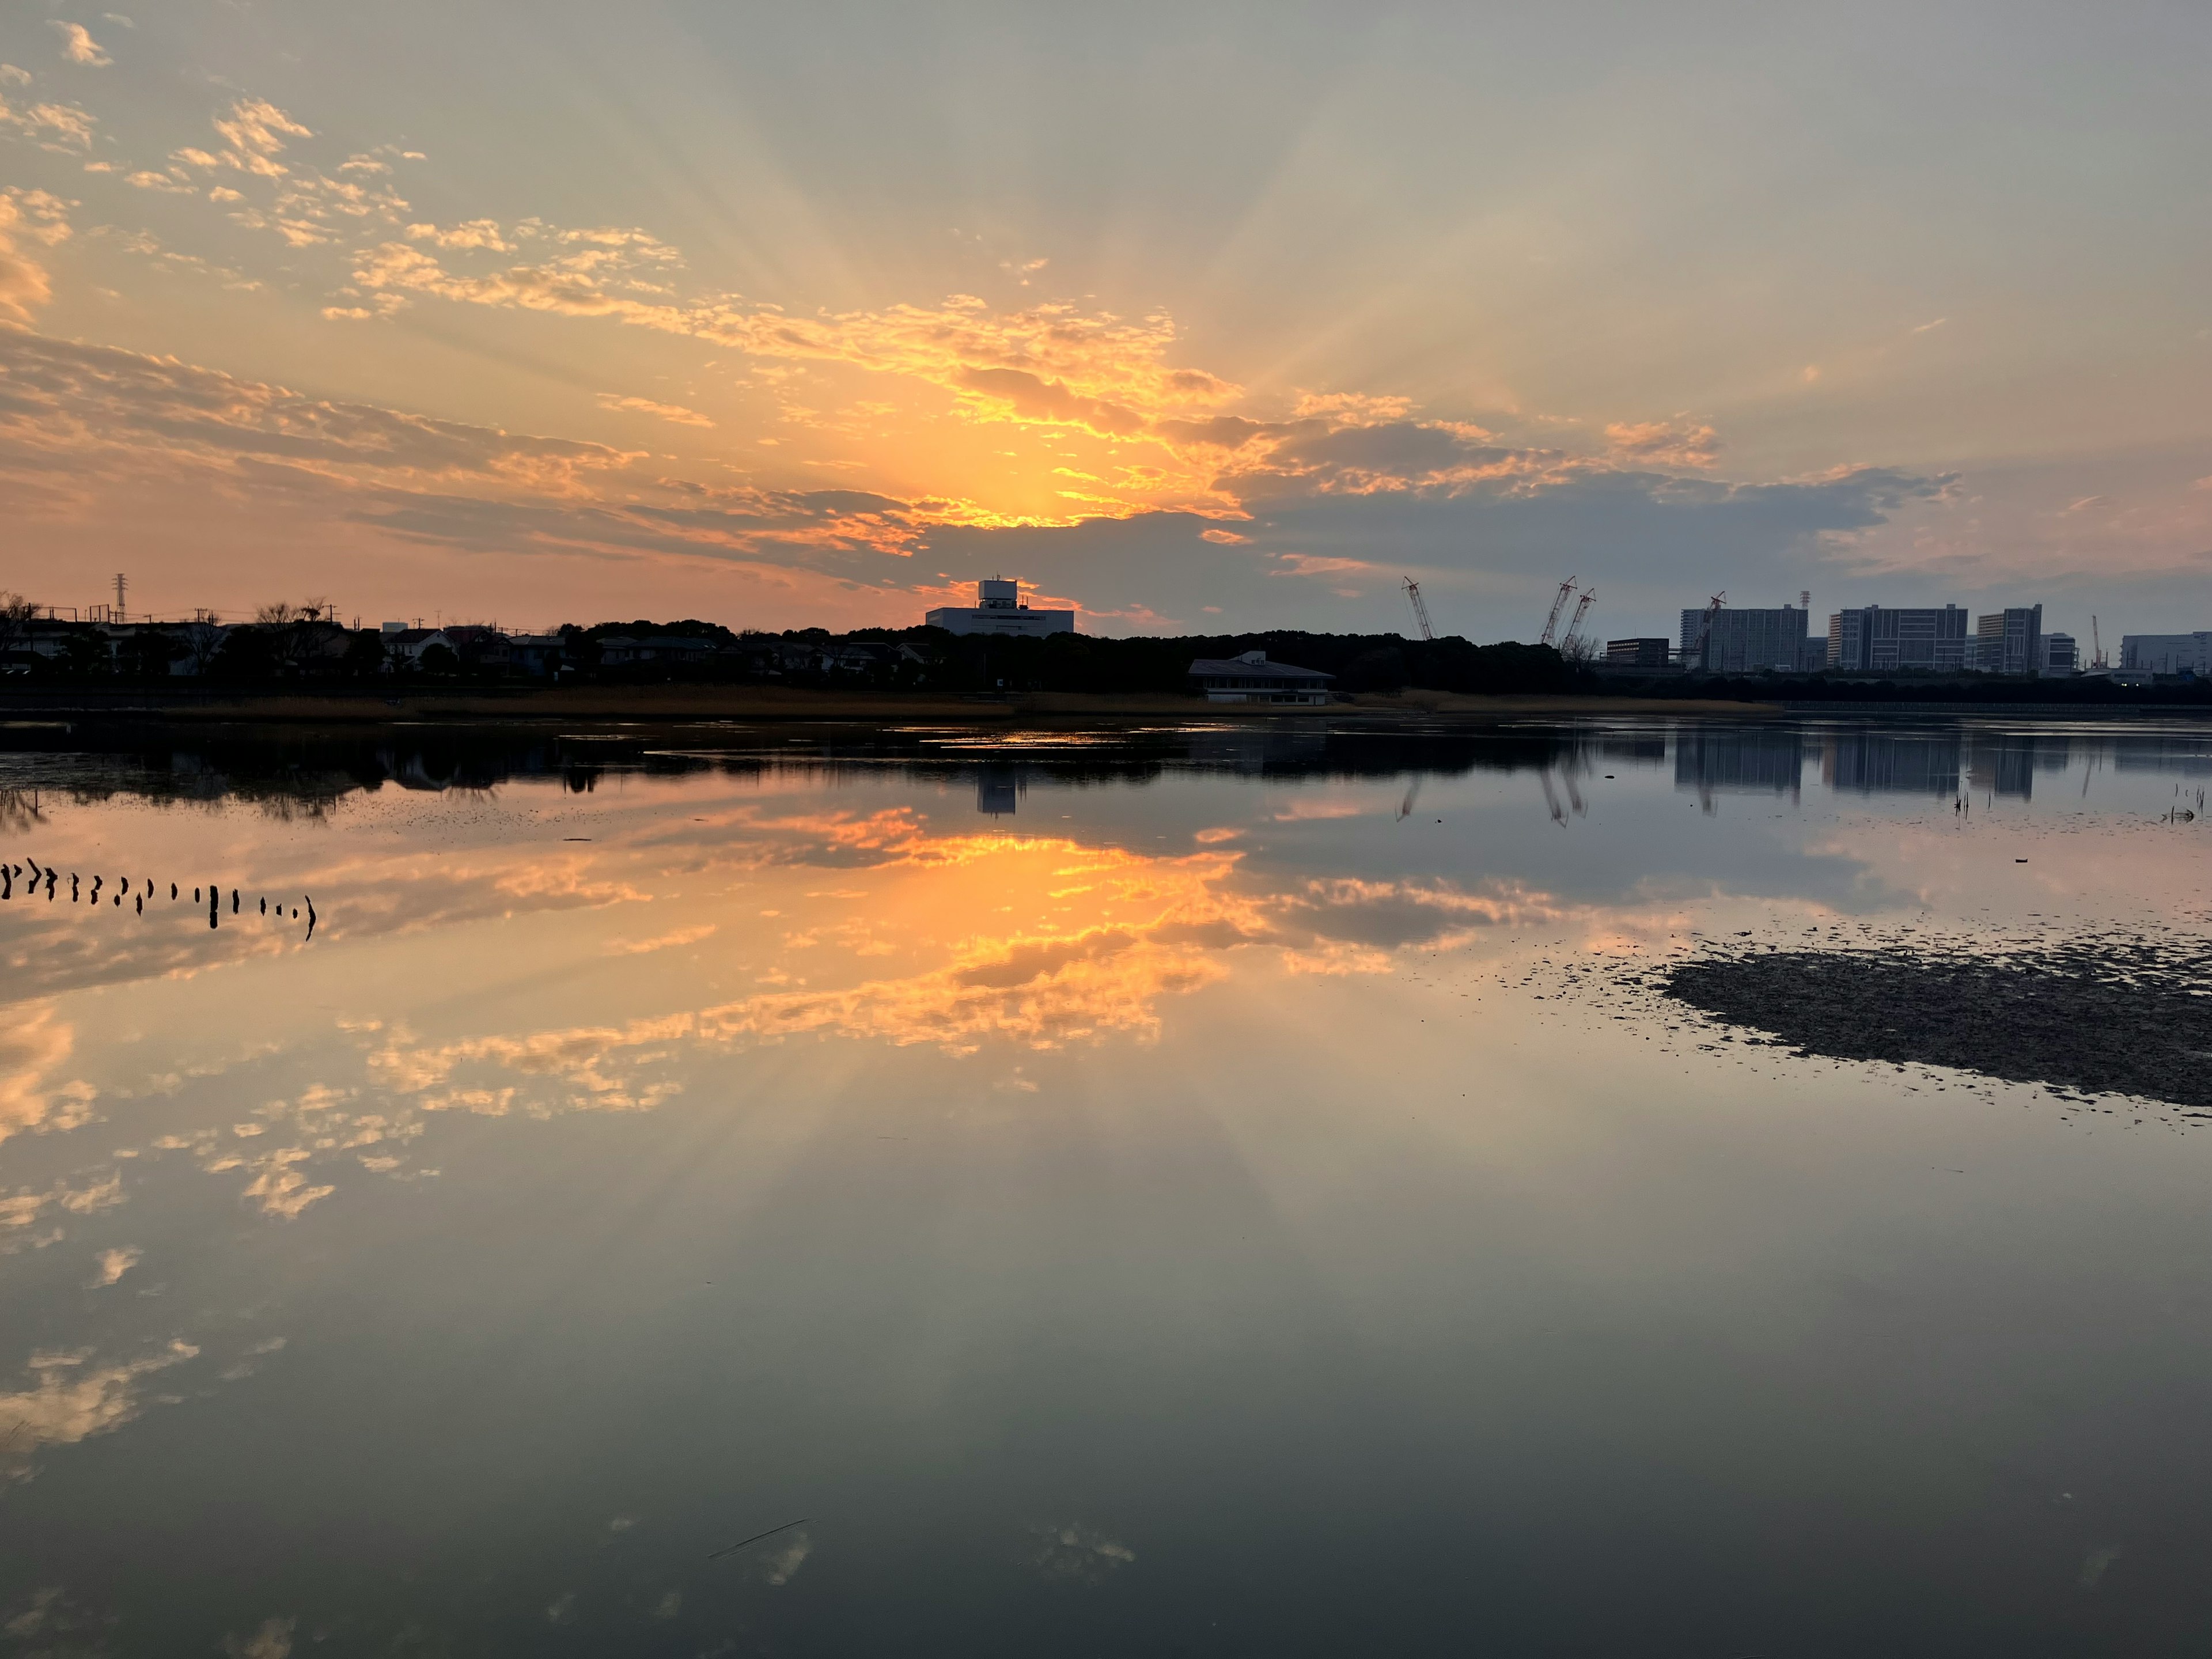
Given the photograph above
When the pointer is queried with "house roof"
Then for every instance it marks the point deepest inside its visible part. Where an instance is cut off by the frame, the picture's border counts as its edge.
(1211, 668)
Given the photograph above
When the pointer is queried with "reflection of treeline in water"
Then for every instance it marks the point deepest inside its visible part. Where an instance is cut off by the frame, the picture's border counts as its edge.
(289, 770)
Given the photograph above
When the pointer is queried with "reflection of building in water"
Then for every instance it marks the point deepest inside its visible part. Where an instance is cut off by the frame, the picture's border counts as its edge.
(1739, 762)
(1249, 753)
(2007, 764)
(1891, 763)
(1640, 750)
(1000, 788)
(2186, 756)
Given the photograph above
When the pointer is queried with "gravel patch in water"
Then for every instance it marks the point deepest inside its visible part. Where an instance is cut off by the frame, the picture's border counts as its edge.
(2105, 1018)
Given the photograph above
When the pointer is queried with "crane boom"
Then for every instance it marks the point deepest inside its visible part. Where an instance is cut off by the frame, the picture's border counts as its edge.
(1560, 604)
(2097, 639)
(1421, 607)
(1574, 628)
(1705, 629)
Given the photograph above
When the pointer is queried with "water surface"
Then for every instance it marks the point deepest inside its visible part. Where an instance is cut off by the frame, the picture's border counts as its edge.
(1212, 1190)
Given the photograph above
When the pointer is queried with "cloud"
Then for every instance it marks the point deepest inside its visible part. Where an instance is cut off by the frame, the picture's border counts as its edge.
(114, 1264)
(472, 233)
(1664, 443)
(254, 132)
(638, 947)
(78, 47)
(62, 128)
(675, 413)
(61, 399)
(12, 76)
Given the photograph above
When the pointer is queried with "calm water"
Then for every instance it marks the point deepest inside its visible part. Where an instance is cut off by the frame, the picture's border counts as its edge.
(1183, 1194)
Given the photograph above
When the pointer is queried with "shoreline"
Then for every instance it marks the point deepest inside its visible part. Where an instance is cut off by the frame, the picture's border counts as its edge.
(777, 703)
(662, 704)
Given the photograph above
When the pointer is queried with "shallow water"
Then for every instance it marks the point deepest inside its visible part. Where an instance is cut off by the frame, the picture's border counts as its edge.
(1210, 1191)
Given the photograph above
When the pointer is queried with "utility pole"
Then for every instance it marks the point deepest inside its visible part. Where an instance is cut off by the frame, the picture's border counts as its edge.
(121, 586)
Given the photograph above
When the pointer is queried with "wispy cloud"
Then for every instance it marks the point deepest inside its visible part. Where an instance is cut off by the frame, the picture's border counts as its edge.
(673, 412)
(78, 47)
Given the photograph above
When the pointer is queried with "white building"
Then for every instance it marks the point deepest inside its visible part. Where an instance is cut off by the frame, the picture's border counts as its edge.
(1251, 679)
(999, 609)
(2167, 653)
(2061, 655)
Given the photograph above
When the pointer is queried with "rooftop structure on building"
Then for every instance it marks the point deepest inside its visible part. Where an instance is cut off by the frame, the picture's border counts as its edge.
(999, 609)
(2168, 653)
(1251, 679)
(1875, 639)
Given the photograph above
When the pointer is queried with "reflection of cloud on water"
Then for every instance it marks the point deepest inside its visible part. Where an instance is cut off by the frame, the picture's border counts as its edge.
(273, 1640)
(778, 1566)
(24, 1206)
(111, 1265)
(1079, 1555)
(34, 1043)
(73, 1400)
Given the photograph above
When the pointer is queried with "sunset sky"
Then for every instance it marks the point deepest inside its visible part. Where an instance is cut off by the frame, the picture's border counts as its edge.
(1198, 317)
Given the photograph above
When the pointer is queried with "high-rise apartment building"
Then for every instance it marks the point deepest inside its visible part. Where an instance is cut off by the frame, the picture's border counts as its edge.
(2009, 641)
(1746, 641)
(2167, 653)
(1877, 638)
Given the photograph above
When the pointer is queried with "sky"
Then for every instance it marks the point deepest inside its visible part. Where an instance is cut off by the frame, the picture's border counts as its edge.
(1199, 317)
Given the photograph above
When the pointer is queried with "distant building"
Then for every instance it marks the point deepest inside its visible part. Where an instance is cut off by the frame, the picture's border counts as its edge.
(2061, 655)
(1636, 654)
(481, 647)
(2009, 641)
(1877, 638)
(1251, 679)
(1747, 642)
(535, 654)
(408, 644)
(621, 651)
(2168, 653)
(999, 609)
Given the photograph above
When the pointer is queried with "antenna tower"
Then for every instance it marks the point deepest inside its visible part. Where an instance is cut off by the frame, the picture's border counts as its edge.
(121, 586)
(1421, 607)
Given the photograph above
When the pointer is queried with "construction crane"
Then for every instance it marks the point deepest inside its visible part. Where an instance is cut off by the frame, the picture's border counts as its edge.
(1567, 642)
(1696, 653)
(1421, 607)
(2097, 640)
(1552, 622)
